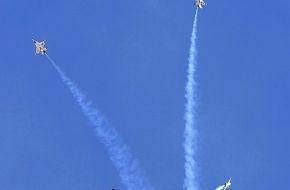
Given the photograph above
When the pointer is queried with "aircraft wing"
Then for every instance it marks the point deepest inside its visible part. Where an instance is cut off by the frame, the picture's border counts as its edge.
(37, 50)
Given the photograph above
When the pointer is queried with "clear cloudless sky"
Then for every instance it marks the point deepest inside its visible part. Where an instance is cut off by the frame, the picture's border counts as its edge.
(130, 57)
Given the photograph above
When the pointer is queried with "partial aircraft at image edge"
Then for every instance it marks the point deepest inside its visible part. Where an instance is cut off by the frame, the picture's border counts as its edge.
(40, 49)
(227, 185)
(199, 3)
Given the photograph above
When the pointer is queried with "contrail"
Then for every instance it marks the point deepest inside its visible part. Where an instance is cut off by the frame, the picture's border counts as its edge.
(132, 176)
(220, 187)
(190, 132)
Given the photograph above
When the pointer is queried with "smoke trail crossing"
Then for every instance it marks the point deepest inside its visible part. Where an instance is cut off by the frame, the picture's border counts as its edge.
(190, 133)
(130, 173)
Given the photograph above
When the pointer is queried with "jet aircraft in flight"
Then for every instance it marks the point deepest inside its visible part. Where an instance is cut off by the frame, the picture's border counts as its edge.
(199, 3)
(40, 49)
(227, 185)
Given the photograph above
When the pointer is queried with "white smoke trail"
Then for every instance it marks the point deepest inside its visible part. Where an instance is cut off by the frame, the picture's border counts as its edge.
(130, 173)
(220, 187)
(190, 133)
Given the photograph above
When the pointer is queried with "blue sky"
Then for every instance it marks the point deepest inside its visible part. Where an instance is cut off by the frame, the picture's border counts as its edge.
(130, 57)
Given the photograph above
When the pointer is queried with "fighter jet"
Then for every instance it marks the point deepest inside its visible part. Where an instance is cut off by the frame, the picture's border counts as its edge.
(199, 3)
(40, 49)
(227, 185)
